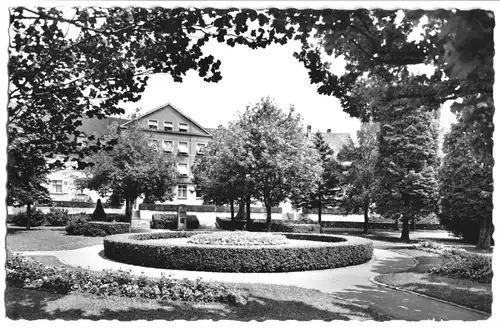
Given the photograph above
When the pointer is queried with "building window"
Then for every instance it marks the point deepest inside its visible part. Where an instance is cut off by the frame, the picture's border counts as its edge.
(168, 146)
(183, 169)
(168, 126)
(153, 124)
(154, 143)
(58, 186)
(183, 127)
(200, 148)
(183, 147)
(182, 192)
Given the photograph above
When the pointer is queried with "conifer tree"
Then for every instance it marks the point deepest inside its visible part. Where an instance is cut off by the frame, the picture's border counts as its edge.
(406, 166)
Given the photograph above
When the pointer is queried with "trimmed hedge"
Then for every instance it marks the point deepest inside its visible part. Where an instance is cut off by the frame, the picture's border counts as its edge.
(335, 252)
(169, 221)
(297, 228)
(201, 208)
(25, 272)
(80, 226)
(378, 225)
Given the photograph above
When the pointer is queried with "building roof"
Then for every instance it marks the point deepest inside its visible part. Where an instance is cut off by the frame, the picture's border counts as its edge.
(97, 127)
(174, 108)
(337, 140)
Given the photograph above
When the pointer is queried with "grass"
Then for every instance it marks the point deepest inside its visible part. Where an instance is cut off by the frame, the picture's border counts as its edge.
(266, 302)
(459, 291)
(46, 239)
(464, 292)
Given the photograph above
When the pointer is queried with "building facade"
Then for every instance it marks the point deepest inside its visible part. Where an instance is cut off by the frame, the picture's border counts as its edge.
(168, 130)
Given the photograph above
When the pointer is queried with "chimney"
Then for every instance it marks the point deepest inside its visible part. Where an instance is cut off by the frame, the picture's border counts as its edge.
(328, 130)
(308, 131)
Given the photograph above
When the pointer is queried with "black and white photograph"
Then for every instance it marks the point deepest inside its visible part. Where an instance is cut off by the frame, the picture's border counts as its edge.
(234, 162)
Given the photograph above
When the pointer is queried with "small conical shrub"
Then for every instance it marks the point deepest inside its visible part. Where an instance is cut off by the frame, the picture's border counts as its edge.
(99, 214)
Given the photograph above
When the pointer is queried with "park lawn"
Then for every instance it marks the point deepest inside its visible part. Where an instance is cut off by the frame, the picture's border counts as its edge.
(266, 302)
(46, 239)
(460, 291)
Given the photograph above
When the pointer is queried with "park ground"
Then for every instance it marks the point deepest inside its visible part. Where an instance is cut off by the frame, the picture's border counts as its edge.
(267, 301)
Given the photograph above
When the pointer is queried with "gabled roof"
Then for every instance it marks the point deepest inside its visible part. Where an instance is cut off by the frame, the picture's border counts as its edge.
(97, 127)
(174, 108)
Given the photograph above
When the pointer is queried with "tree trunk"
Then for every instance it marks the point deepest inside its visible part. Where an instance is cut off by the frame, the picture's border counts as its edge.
(319, 213)
(268, 217)
(241, 215)
(232, 210)
(249, 219)
(128, 213)
(485, 232)
(396, 223)
(405, 233)
(365, 224)
(413, 224)
(28, 216)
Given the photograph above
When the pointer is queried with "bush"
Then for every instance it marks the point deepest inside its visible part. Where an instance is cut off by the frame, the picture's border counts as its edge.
(37, 218)
(27, 273)
(169, 221)
(77, 225)
(460, 264)
(57, 217)
(118, 218)
(333, 253)
(242, 238)
(297, 228)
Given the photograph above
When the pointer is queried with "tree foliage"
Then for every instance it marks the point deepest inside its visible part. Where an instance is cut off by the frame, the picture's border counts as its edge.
(406, 165)
(359, 181)
(324, 192)
(131, 169)
(281, 160)
(466, 189)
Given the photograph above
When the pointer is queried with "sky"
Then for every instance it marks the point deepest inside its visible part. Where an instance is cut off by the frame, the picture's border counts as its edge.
(248, 75)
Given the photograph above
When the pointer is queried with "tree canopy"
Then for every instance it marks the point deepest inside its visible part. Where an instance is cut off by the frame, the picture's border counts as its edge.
(132, 169)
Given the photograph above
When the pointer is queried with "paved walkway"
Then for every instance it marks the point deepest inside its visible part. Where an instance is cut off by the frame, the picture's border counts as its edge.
(351, 283)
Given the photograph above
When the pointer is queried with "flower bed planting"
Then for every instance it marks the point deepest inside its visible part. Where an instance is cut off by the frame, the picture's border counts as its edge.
(330, 252)
(242, 238)
(25, 272)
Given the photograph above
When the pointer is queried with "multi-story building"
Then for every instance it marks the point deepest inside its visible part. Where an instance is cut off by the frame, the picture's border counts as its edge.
(169, 130)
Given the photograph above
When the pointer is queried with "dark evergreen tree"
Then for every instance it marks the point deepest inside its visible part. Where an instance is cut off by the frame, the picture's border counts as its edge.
(359, 182)
(466, 189)
(99, 214)
(325, 191)
(406, 165)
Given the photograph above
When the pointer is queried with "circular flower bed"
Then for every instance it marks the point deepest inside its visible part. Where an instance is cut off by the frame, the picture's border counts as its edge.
(242, 238)
(313, 252)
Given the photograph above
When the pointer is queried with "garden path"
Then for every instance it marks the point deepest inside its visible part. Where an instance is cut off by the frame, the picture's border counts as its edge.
(351, 283)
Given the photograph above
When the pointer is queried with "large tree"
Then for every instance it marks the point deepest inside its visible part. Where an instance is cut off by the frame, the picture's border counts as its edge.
(131, 169)
(281, 159)
(359, 180)
(325, 190)
(219, 174)
(466, 188)
(407, 164)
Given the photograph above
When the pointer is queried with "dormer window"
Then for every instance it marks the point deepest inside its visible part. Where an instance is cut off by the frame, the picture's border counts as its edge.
(153, 125)
(168, 126)
(183, 127)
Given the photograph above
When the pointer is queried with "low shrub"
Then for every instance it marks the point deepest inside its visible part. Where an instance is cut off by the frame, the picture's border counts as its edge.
(25, 272)
(57, 217)
(460, 263)
(93, 229)
(37, 218)
(242, 238)
(333, 253)
(80, 226)
(169, 221)
(118, 218)
(297, 228)
(77, 225)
